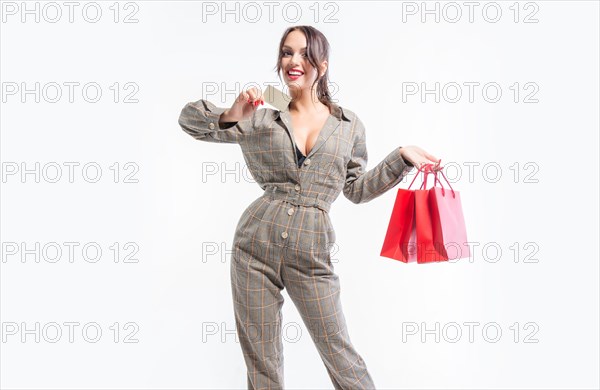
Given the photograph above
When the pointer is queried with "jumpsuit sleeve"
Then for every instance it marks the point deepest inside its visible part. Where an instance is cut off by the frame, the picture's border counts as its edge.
(200, 119)
(361, 185)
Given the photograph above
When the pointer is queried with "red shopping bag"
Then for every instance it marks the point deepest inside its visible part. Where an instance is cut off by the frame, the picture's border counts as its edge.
(400, 241)
(426, 225)
(441, 229)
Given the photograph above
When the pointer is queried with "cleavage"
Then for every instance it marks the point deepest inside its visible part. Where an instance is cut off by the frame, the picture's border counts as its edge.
(315, 126)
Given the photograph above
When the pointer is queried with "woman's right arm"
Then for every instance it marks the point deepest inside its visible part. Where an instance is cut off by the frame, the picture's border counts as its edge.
(202, 120)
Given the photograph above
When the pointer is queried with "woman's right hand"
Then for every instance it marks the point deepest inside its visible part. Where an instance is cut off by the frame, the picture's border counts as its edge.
(244, 106)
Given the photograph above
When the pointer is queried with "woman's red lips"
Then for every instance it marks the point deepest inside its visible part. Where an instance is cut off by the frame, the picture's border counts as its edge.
(296, 74)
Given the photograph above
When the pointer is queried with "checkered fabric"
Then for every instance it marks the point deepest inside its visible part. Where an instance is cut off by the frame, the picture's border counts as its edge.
(283, 238)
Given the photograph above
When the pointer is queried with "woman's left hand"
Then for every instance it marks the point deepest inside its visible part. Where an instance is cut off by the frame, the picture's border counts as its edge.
(417, 156)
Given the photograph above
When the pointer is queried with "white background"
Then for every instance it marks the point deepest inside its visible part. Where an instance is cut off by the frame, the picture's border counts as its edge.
(176, 289)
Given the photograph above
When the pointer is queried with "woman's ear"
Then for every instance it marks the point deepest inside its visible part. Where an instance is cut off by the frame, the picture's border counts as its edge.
(323, 69)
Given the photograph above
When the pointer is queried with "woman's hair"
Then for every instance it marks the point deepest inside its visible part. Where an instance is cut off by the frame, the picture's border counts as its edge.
(317, 50)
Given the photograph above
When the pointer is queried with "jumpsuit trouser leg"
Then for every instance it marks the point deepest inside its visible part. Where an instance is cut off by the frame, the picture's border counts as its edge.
(296, 256)
(315, 291)
(257, 299)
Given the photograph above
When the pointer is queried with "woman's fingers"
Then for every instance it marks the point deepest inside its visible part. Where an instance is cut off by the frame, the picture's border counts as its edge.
(246, 103)
(253, 97)
(251, 93)
(420, 158)
(431, 157)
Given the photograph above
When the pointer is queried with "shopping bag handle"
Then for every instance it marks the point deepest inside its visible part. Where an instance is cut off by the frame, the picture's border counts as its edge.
(438, 181)
(426, 170)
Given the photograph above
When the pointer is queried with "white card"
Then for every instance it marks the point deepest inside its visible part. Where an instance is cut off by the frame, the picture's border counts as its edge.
(276, 98)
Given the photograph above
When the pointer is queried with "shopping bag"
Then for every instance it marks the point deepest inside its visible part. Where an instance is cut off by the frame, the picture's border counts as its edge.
(400, 238)
(400, 241)
(441, 229)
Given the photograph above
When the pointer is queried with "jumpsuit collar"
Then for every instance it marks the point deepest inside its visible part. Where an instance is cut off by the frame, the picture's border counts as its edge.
(334, 120)
(336, 111)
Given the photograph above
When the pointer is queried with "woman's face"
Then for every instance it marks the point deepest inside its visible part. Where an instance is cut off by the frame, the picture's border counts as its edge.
(294, 57)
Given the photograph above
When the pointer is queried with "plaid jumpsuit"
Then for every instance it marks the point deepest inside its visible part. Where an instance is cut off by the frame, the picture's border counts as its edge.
(283, 238)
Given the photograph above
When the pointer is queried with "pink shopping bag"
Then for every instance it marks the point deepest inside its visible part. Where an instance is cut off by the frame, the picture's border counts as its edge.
(441, 229)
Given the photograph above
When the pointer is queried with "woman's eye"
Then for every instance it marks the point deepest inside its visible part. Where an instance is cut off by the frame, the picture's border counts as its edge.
(285, 53)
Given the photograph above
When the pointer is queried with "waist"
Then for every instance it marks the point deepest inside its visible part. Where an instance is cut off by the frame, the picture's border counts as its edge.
(291, 193)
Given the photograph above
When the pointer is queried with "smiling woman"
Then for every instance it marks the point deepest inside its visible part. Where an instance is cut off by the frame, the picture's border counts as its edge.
(303, 157)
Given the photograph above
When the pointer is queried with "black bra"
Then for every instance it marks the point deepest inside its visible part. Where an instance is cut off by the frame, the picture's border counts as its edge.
(301, 157)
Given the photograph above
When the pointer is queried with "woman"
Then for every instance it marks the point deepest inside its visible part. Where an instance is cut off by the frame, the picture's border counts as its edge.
(302, 157)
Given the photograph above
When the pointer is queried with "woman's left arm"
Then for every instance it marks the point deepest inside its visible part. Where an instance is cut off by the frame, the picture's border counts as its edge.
(361, 185)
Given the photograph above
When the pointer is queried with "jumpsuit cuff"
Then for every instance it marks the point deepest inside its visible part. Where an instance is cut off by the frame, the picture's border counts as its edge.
(200, 119)
(212, 114)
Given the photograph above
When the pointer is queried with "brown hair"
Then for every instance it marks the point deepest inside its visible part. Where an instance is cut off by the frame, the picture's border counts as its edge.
(317, 50)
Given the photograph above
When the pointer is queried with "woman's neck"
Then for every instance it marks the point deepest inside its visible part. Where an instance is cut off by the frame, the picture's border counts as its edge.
(307, 105)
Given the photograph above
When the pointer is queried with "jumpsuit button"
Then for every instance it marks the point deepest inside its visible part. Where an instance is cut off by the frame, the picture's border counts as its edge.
(297, 187)
(211, 126)
(291, 211)
(284, 234)
(307, 161)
